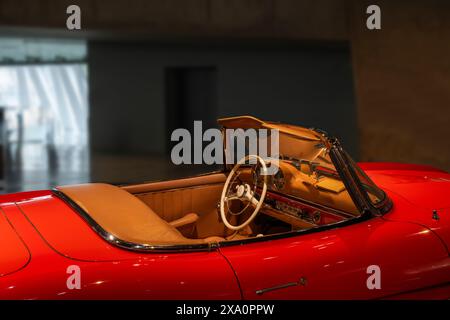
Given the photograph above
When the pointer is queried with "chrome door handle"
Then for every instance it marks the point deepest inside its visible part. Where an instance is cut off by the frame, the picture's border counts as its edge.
(301, 282)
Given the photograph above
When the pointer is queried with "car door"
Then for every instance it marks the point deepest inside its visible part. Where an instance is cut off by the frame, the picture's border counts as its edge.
(67, 259)
(368, 259)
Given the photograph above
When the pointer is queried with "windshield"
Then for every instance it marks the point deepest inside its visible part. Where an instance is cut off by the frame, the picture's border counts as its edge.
(312, 174)
(375, 194)
(306, 170)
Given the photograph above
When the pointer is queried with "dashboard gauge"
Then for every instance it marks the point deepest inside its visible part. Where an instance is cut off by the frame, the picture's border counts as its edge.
(316, 217)
(256, 176)
(278, 180)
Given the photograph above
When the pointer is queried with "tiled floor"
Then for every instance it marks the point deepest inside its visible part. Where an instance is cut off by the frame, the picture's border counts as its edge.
(36, 166)
(33, 166)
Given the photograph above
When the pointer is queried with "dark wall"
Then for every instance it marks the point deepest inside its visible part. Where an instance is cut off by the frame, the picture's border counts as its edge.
(174, 19)
(309, 86)
(402, 78)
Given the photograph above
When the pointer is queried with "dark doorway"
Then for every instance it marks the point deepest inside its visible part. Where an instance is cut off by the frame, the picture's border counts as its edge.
(191, 94)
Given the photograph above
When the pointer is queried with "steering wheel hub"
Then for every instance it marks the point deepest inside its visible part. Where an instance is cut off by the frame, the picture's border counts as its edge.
(240, 191)
(243, 193)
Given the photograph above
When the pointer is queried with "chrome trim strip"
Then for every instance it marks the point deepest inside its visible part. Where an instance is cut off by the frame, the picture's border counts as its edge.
(113, 240)
(281, 286)
(301, 282)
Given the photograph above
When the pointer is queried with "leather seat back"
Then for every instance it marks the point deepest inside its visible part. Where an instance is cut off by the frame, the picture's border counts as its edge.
(123, 215)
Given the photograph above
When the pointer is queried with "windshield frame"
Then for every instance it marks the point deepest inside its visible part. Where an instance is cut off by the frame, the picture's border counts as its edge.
(346, 166)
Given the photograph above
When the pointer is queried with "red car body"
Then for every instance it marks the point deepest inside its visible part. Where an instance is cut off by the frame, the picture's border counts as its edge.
(42, 236)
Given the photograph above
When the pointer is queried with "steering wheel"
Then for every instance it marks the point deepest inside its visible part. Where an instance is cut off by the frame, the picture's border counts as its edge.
(243, 192)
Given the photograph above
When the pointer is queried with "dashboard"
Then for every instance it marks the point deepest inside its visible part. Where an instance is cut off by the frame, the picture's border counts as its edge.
(305, 195)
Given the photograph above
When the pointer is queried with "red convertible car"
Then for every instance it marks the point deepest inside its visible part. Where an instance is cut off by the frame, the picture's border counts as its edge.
(322, 227)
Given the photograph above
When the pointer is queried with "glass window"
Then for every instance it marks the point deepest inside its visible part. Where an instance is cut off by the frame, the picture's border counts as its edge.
(306, 170)
(375, 194)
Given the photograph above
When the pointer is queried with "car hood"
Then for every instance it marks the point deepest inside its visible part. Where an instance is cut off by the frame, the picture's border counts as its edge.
(422, 186)
(420, 195)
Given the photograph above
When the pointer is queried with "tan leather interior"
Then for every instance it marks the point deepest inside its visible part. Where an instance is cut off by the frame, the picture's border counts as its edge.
(326, 191)
(184, 211)
(301, 144)
(211, 178)
(173, 200)
(190, 218)
(246, 122)
(126, 217)
(175, 203)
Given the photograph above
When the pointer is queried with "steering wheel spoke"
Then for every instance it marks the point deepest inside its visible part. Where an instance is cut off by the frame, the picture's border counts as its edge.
(231, 197)
(250, 197)
(242, 192)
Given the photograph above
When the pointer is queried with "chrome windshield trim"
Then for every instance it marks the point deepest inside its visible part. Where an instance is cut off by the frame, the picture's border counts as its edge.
(354, 185)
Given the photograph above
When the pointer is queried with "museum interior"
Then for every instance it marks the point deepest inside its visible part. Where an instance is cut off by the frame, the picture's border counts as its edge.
(99, 102)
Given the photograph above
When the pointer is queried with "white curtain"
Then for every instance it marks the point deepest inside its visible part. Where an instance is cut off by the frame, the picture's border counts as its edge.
(50, 100)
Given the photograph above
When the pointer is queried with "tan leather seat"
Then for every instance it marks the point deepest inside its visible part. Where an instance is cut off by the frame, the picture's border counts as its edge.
(125, 216)
(184, 220)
